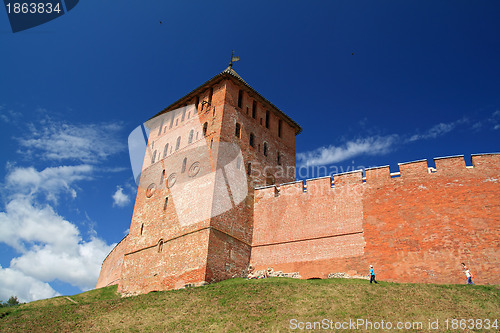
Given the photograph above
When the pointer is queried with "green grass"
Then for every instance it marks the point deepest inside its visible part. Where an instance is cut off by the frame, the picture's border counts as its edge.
(255, 305)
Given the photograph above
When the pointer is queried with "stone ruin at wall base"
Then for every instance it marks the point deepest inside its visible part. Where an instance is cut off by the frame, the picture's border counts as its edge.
(416, 225)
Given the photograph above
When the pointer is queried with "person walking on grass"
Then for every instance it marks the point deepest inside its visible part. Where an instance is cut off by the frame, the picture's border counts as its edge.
(372, 275)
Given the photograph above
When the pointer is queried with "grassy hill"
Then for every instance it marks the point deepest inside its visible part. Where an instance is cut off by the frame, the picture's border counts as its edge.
(275, 304)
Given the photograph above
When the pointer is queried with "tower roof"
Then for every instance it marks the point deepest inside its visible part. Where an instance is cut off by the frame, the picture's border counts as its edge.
(229, 72)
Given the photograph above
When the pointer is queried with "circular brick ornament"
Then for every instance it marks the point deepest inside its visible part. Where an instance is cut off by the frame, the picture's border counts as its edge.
(194, 169)
(171, 180)
(150, 190)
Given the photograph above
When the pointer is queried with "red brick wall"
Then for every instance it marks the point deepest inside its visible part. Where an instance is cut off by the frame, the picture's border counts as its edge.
(417, 227)
(111, 268)
(181, 261)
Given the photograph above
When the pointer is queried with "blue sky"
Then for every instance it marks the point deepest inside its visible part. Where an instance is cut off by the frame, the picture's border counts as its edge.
(371, 82)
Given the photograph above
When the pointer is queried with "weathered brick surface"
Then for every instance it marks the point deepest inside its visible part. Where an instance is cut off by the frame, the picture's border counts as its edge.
(111, 268)
(180, 261)
(417, 227)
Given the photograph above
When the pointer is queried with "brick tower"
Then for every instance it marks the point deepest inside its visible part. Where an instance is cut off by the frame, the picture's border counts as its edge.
(193, 216)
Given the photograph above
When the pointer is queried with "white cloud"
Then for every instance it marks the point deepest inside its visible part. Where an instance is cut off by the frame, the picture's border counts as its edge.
(120, 199)
(376, 145)
(51, 181)
(26, 288)
(77, 264)
(23, 224)
(8, 116)
(89, 143)
(51, 247)
(437, 130)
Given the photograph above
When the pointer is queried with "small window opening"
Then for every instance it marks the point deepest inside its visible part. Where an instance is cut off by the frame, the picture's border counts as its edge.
(178, 143)
(142, 228)
(279, 128)
(172, 120)
(161, 126)
(252, 140)
(254, 109)
(265, 148)
(197, 102)
(205, 127)
(160, 245)
(237, 132)
(279, 158)
(165, 151)
(190, 139)
(210, 96)
(267, 119)
(184, 162)
(153, 159)
(165, 204)
(249, 168)
(240, 98)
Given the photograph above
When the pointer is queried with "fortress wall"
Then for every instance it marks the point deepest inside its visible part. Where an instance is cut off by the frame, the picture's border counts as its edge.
(323, 224)
(178, 262)
(111, 268)
(417, 227)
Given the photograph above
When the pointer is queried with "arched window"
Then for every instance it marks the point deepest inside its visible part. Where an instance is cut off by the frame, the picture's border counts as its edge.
(162, 179)
(160, 245)
(205, 127)
(165, 151)
(184, 162)
(252, 140)
(238, 130)
(265, 148)
(190, 139)
(153, 159)
(178, 143)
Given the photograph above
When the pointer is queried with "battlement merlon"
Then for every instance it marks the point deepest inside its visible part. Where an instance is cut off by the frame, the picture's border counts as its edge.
(410, 171)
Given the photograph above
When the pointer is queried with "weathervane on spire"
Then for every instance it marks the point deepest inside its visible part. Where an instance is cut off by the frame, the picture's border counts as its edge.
(233, 58)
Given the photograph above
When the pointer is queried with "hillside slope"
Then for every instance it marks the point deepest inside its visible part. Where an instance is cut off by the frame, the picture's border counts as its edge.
(275, 304)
